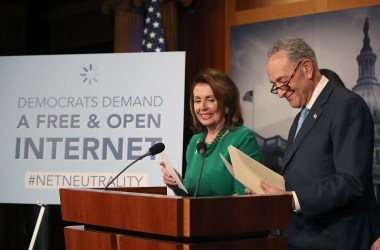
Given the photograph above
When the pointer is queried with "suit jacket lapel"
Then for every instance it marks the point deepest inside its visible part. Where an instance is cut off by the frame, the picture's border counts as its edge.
(311, 118)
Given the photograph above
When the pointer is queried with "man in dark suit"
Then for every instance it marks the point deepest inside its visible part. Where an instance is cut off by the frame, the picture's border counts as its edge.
(329, 157)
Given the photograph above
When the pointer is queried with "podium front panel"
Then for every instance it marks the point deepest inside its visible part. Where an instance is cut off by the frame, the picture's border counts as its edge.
(148, 216)
(140, 212)
(77, 238)
(126, 242)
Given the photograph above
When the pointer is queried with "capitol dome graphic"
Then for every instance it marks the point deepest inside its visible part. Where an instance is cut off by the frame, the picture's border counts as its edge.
(369, 89)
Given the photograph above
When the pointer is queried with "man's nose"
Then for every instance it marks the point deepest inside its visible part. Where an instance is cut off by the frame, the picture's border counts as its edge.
(281, 93)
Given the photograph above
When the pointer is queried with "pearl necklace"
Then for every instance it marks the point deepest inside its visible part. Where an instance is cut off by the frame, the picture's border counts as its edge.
(213, 144)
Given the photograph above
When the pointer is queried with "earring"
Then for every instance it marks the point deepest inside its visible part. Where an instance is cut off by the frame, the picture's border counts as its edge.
(226, 111)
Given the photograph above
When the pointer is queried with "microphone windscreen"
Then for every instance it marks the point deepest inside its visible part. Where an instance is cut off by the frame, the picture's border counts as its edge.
(201, 148)
(156, 148)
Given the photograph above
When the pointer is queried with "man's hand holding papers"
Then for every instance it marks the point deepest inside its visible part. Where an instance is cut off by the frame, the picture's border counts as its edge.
(252, 174)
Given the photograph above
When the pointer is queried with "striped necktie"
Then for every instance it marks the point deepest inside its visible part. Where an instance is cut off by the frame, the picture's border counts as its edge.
(301, 119)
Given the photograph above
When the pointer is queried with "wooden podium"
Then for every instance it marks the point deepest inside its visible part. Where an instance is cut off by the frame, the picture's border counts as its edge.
(146, 218)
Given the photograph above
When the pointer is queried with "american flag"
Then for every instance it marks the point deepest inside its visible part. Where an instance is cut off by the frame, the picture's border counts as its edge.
(153, 40)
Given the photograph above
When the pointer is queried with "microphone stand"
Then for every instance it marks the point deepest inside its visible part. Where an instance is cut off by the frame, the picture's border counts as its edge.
(155, 149)
(200, 174)
(122, 171)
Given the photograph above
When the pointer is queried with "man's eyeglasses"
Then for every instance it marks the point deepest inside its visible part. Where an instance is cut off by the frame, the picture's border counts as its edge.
(285, 87)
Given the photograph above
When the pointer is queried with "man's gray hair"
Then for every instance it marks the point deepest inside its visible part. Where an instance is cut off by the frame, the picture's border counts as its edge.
(296, 50)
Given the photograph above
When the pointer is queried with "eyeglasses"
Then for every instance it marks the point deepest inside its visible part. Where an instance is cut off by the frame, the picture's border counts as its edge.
(285, 87)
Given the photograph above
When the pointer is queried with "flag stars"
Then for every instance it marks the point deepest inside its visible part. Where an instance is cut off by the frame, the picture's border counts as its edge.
(156, 24)
(153, 38)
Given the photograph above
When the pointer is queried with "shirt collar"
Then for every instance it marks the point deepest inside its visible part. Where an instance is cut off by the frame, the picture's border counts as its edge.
(317, 91)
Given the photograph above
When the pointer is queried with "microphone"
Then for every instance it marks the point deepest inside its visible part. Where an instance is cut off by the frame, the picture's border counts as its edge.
(155, 149)
(201, 148)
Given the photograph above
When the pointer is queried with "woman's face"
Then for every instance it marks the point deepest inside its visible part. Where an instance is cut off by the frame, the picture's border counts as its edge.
(206, 107)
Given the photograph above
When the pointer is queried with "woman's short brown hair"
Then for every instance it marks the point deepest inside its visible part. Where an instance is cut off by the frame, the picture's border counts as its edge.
(226, 94)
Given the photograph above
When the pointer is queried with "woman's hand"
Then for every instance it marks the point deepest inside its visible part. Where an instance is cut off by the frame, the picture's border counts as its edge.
(168, 179)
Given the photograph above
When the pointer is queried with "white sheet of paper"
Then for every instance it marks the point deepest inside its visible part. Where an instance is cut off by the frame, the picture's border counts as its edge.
(172, 172)
(250, 172)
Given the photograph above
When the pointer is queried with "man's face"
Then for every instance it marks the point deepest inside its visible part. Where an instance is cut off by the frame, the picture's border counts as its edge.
(289, 80)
